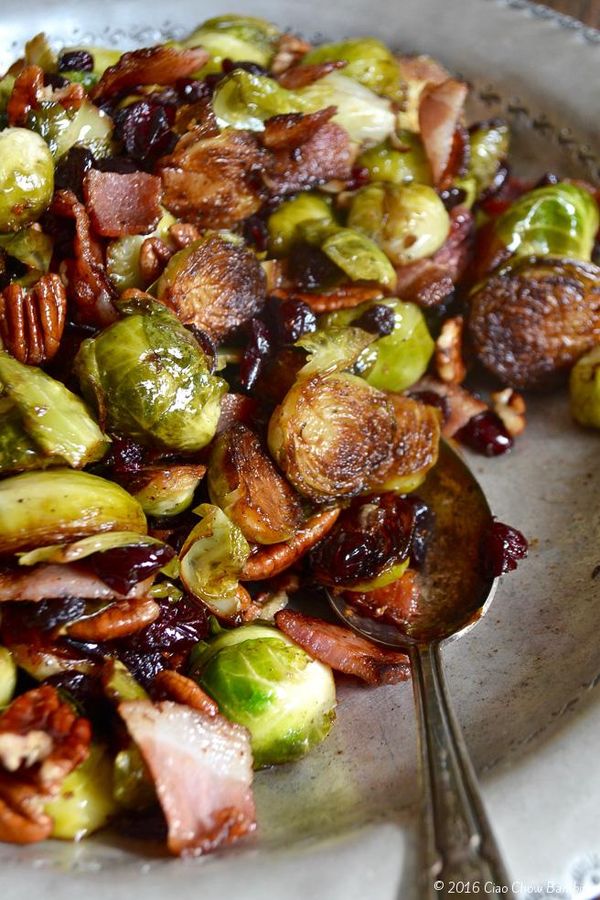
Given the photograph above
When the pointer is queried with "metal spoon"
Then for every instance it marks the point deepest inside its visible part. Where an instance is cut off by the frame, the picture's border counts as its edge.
(458, 844)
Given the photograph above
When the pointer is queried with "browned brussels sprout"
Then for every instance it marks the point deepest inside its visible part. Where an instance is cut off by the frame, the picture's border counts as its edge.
(243, 481)
(415, 449)
(166, 490)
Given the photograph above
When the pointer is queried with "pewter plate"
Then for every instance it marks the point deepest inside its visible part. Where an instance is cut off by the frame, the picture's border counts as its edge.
(342, 823)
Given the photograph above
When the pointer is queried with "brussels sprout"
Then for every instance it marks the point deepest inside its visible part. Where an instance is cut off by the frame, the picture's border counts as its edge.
(168, 491)
(415, 449)
(264, 681)
(133, 787)
(212, 559)
(85, 801)
(367, 118)
(285, 223)
(397, 360)
(408, 221)
(8, 676)
(26, 178)
(555, 220)
(333, 348)
(368, 61)
(148, 377)
(245, 100)
(123, 255)
(18, 451)
(37, 507)
(584, 386)
(31, 247)
(119, 684)
(240, 38)
(489, 147)
(352, 251)
(54, 419)
(406, 161)
(78, 550)
(62, 128)
(7, 84)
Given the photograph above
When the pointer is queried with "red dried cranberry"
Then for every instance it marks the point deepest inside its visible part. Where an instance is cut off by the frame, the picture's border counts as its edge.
(360, 176)
(48, 614)
(123, 567)
(212, 80)
(485, 433)
(179, 626)
(122, 165)
(144, 127)
(75, 61)
(310, 269)
(379, 319)
(55, 81)
(424, 522)
(452, 197)
(206, 344)
(256, 233)
(125, 457)
(547, 179)
(229, 65)
(430, 398)
(502, 546)
(290, 319)
(257, 350)
(191, 90)
(369, 537)
(71, 170)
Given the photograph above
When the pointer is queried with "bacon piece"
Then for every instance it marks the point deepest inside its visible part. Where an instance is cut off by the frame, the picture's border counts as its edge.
(394, 603)
(343, 650)
(422, 69)
(56, 582)
(270, 560)
(328, 154)
(177, 687)
(236, 408)
(301, 76)
(122, 204)
(294, 129)
(202, 770)
(440, 110)
(459, 404)
(152, 65)
(24, 96)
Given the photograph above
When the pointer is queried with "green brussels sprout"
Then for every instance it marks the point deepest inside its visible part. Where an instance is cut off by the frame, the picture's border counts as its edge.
(167, 491)
(367, 118)
(63, 128)
(85, 801)
(409, 222)
(8, 676)
(334, 347)
(55, 420)
(212, 559)
(489, 144)
(37, 507)
(354, 252)
(402, 163)
(31, 247)
(239, 38)
(78, 550)
(284, 224)
(119, 685)
(397, 360)
(133, 787)
(26, 178)
(584, 388)
(264, 681)
(7, 84)
(18, 451)
(123, 255)
(368, 61)
(245, 100)
(149, 379)
(555, 220)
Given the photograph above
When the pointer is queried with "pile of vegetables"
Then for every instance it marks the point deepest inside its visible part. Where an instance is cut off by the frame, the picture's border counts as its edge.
(242, 282)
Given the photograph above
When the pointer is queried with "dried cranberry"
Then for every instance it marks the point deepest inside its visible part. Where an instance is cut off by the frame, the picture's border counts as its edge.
(212, 80)
(86, 692)
(206, 344)
(229, 65)
(430, 398)
(502, 546)
(75, 61)
(290, 319)
(123, 567)
(257, 351)
(122, 165)
(55, 81)
(452, 197)
(369, 537)
(126, 457)
(310, 269)
(547, 179)
(143, 666)
(144, 127)
(360, 176)
(485, 433)
(424, 522)
(168, 96)
(49, 614)
(379, 319)
(256, 233)
(191, 90)
(71, 169)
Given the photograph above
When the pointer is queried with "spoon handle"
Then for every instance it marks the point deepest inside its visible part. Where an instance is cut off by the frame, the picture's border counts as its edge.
(459, 844)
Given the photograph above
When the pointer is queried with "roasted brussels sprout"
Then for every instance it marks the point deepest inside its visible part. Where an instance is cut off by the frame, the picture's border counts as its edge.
(584, 386)
(123, 255)
(133, 787)
(352, 251)
(239, 38)
(168, 490)
(85, 801)
(409, 222)
(533, 318)
(400, 163)
(367, 118)
(243, 481)
(398, 359)
(285, 223)
(62, 129)
(47, 424)
(8, 676)
(78, 550)
(119, 685)
(415, 450)
(31, 247)
(149, 379)
(245, 100)
(264, 681)
(367, 59)
(488, 148)
(212, 559)
(26, 178)
(39, 507)
(332, 349)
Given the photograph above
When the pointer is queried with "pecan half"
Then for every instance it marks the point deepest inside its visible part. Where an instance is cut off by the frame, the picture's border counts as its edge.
(449, 363)
(289, 52)
(275, 558)
(116, 621)
(32, 321)
(510, 407)
(183, 234)
(154, 255)
(171, 685)
(24, 97)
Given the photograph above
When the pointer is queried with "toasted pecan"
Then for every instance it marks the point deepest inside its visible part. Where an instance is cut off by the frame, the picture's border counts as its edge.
(24, 96)
(509, 406)
(275, 558)
(290, 50)
(449, 363)
(32, 320)
(116, 621)
(171, 685)
(154, 255)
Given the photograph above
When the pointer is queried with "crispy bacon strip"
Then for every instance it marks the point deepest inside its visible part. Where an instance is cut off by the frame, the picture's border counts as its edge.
(343, 650)
(202, 770)
(152, 65)
(290, 50)
(395, 603)
(328, 154)
(301, 76)
(122, 204)
(294, 129)
(55, 582)
(24, 97)
(275, 558)
(440, 110)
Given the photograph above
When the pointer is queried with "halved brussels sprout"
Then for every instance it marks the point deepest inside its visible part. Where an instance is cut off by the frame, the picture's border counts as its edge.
(368, 118)
(332, 349)
(31, 247)
(78, 550)
(62, 128)
(149, 379)
(409, 222)
(245, 100)
(352, 251)
(118, 683)
(167, 490)
(401, 163)
(397, 360)
(243, 481)
(55, 421)
(37, 507)
(584, 385)
(85, 801)
(415, 450)
(123, 255)
(212, 559)
(285, 223)
(367, 59)
(240, 38)
(8, 676)
(264, 681)
(133, 787)
(26, 178)
(330, 434)
(489, 144)
(18, 451)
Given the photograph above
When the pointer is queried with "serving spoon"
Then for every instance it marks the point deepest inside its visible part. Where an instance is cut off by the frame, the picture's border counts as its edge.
(458, 843)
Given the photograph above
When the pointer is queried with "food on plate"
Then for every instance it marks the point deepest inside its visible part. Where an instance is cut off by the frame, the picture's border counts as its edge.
(246, 285)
